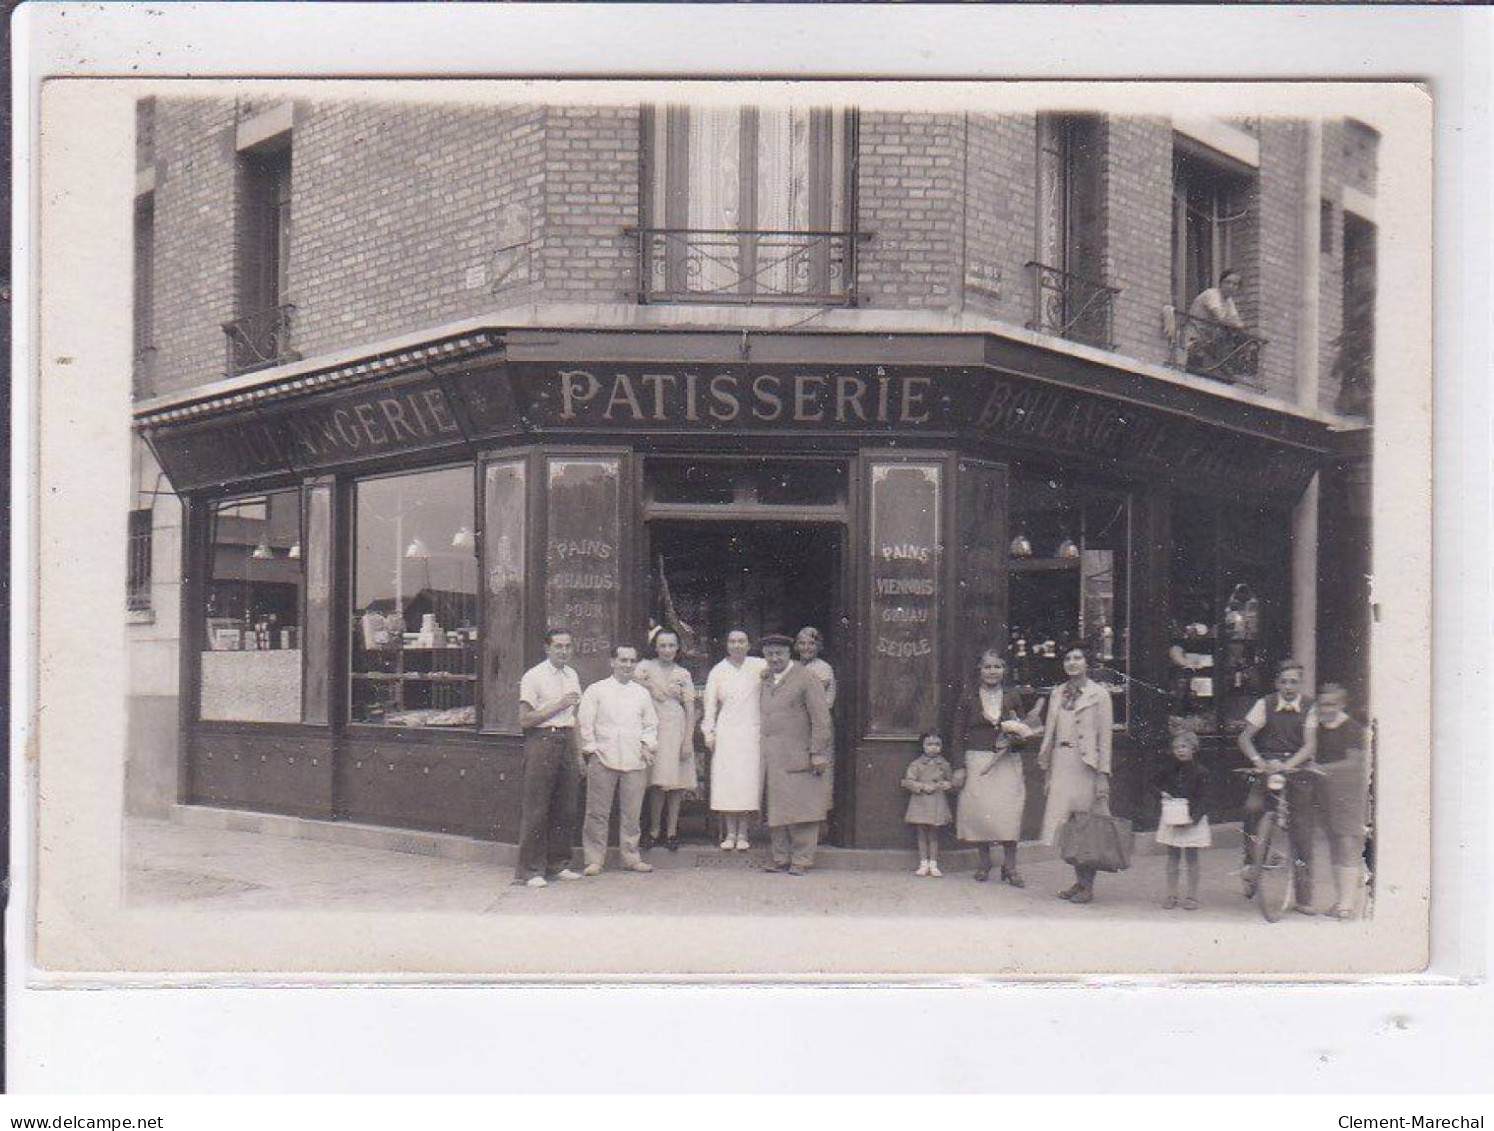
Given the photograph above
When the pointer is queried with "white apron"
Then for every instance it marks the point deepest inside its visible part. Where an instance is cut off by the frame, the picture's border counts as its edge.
(732, 712)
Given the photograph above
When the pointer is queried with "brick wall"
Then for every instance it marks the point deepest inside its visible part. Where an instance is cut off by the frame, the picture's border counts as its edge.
(405, 217)
(591, 193)
(909, 186)
(1278, 259)
(409, 217)
(194, 255)
(1138, 189)
(1001, 215)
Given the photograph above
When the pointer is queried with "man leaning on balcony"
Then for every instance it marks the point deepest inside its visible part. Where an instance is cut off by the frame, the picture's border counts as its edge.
(1215, 327)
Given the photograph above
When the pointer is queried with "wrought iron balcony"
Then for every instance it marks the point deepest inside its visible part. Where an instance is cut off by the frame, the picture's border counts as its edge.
(1071, 306)
(1214, 349)
(260, 340)
(813, 268)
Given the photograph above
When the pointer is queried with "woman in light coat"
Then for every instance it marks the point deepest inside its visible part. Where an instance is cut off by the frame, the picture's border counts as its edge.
(731, 724)
(1075, 756)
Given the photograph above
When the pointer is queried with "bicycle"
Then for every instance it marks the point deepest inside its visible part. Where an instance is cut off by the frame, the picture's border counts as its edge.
(1271, 877)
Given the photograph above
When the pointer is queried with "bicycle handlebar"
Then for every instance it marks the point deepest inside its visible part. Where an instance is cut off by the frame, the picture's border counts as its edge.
(1310, 768)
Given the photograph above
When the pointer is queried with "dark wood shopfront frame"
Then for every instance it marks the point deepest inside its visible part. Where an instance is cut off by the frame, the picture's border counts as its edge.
(465, 782)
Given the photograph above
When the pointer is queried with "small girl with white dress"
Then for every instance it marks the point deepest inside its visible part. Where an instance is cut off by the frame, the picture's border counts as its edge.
(1184, 826)
(929, 779)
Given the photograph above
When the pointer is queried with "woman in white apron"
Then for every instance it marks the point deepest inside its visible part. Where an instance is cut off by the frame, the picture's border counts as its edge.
(731, 725)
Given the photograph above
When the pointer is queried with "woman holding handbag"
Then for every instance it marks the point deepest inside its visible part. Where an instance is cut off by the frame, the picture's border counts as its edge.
(1075, 756)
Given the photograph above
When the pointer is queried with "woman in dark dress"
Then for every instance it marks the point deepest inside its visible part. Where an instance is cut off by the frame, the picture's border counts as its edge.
(990, 722)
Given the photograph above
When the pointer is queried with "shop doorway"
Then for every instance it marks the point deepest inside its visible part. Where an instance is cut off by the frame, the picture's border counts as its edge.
(710, 576)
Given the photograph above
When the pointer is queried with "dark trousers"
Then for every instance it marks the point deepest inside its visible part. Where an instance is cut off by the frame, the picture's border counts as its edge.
(1301, 796)
(550, 800)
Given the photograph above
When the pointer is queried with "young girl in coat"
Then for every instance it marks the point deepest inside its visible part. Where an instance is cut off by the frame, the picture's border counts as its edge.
(1181, 782)
(928, 778)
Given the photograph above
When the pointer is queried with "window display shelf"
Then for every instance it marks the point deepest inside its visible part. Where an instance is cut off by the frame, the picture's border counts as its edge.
(428, 677)
(1044, 565)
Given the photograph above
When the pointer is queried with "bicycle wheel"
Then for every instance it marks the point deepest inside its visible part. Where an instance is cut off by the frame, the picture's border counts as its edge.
(1273, 868)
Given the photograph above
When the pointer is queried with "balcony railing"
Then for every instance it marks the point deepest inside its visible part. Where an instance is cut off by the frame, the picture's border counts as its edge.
(1071, 306)
(259, 340)
(1214, 349)
(813, 268)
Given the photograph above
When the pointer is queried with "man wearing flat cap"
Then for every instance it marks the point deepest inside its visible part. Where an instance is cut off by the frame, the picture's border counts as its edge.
(796, 742)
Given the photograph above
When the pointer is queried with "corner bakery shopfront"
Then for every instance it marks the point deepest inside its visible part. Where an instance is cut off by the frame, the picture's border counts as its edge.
(372, 552)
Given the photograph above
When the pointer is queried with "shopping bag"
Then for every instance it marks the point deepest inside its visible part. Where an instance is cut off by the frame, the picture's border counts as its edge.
(1096, 841)
(1175, 811)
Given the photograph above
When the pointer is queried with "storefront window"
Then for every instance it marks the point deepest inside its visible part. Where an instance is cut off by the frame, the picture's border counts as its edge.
(251, 662)
(1068, 565)
(414, 622)
(1226, 617)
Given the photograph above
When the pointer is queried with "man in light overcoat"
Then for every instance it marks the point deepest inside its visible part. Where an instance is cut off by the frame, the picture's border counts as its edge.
(796, 739)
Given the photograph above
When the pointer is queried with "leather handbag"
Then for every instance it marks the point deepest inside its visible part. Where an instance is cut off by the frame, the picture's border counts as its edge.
(1098, 841)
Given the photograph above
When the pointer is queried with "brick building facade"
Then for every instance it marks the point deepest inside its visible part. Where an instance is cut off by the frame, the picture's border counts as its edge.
(412, 235)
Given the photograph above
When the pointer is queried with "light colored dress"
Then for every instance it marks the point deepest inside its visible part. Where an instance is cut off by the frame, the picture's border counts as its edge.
(928, 808)
(995, 793)
(733, 713)
(1072, 779)
(822, 671)
(1195, 835)
(674, 763)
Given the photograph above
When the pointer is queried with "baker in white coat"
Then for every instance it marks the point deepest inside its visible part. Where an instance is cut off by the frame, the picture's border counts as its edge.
(619, 734)
(732, 727)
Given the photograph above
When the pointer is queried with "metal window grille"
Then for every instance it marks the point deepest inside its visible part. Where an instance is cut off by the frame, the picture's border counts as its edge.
(137, 583)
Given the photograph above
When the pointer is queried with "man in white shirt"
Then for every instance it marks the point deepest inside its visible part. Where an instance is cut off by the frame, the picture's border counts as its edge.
(548, 694)
(619, 734)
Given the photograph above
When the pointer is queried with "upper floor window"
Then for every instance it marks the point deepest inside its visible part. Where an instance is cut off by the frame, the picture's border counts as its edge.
(138, 572)
(1213, 233)
(1070, 298)
(747, 204)
(260, 335)
(1354, 362)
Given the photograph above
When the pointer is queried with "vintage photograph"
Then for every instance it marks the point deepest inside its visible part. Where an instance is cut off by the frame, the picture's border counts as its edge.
(686, 509)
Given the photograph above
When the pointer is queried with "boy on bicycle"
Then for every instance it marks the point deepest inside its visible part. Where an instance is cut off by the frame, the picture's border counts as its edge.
(1279, 737)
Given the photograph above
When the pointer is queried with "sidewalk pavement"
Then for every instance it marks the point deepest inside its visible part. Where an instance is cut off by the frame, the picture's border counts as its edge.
(188, 866)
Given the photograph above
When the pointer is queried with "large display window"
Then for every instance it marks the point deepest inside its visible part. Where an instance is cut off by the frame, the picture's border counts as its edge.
(1069, 579)
(1227, 615)
(414, 616)
(250, 668)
